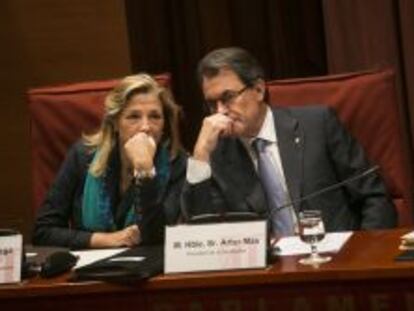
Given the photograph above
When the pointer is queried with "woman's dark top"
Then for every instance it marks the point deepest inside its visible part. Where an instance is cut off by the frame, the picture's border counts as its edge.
(59, 222)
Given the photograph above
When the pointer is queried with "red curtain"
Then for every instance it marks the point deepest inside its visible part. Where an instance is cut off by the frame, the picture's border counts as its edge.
(168, 35)
(372, 34)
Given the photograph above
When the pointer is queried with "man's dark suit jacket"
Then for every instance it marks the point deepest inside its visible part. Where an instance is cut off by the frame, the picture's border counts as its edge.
(316, 152)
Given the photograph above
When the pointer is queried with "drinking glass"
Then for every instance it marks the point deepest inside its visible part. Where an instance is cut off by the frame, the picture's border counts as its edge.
(312, 231)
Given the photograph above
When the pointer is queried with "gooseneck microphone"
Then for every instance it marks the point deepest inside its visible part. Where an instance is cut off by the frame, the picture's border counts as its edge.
(224, 217)
(247, 215)
(273, 250)
(335, 186)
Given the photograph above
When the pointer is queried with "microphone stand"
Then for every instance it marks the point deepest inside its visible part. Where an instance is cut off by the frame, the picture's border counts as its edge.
(274, 250)
(331, 187)
(251, 216)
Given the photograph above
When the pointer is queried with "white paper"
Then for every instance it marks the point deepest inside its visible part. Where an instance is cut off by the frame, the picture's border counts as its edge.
(408, 236)
(127, 259)
(332, 243)
(89, 256)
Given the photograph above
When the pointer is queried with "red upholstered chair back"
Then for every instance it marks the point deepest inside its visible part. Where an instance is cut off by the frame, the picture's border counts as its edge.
(366, 103)
(58, 117)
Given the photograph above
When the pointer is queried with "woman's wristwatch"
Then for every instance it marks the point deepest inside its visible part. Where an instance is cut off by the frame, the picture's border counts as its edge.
(142, 176)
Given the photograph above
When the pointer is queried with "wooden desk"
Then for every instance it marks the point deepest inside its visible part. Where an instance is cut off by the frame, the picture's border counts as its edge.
(363, 276)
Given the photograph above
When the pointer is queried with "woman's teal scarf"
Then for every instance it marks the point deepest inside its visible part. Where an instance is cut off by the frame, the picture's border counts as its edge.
(97, 214)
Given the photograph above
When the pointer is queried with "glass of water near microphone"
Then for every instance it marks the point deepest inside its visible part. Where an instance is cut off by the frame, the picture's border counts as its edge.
(312, 231)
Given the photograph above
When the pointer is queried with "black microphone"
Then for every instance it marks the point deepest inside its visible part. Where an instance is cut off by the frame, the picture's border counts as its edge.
(250, 216)
(57, 263)
(224, 217)
(273, 250)
(319, 192)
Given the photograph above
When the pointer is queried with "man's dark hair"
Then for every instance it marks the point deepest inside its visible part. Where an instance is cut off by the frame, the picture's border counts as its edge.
(241, 62)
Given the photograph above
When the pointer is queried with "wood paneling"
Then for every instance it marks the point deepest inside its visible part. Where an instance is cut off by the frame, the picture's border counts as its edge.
(167, 35)
(363, 275)
(46, 42)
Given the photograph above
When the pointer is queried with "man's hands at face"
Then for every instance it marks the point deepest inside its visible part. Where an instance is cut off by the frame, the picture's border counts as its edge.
(213, 127)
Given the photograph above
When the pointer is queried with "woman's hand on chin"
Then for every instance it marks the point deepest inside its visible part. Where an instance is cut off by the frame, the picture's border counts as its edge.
(140, 151)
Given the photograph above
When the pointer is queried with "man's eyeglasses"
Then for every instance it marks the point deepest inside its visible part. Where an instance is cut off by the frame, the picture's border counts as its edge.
(226, 98)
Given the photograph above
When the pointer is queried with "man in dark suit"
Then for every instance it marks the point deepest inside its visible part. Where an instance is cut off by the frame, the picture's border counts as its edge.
(304, 149)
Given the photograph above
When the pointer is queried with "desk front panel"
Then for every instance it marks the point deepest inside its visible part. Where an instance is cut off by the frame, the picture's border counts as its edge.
(363, 276)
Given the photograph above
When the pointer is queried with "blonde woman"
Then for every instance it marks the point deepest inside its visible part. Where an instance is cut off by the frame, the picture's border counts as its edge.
(120, 186)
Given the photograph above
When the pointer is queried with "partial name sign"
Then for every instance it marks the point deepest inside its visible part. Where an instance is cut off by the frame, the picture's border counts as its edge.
(215, 247)
(11, 244)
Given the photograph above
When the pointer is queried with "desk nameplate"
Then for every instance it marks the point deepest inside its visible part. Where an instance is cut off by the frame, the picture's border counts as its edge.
(215, 247)
(11, 244)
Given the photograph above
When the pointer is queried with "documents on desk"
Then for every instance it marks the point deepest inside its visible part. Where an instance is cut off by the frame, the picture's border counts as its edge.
(407, 241)
(122, 266)
(89, 256)
(293, 245)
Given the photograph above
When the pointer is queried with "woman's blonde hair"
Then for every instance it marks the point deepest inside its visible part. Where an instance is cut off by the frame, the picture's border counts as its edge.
(105, 139)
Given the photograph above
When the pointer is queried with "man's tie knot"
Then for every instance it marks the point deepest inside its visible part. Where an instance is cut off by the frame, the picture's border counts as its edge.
(259, 144)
